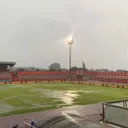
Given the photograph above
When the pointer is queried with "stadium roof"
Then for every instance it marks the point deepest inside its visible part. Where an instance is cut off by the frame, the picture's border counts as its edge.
(7, 63)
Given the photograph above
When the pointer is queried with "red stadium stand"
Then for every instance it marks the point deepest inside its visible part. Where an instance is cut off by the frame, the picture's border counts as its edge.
(34, 76)
(5, 76)
(79, 75)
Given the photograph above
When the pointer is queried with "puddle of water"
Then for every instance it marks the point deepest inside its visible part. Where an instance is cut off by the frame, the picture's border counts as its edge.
(37, 105)
(3, 87)
(69, 96)
(11, 97)
(65, 96)
(90, 91)
(19, 96)
(4, 107)
(28, 101)
(19, 86)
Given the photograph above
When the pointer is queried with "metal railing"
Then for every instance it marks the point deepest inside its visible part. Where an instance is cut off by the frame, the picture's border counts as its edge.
(116, 113)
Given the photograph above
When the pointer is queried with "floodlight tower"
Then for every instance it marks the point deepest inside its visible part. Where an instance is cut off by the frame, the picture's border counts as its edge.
(70, 43)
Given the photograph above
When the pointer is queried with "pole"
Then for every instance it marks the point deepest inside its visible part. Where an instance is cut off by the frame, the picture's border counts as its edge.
(70, 62)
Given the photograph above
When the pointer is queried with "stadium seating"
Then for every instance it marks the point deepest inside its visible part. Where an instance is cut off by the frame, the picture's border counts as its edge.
(93, 76)
(38, 76)
(5, 77)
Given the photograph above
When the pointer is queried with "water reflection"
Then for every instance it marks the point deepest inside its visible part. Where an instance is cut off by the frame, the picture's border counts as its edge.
(65, 96)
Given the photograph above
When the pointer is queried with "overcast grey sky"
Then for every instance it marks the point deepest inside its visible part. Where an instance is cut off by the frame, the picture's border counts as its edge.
(32, 32)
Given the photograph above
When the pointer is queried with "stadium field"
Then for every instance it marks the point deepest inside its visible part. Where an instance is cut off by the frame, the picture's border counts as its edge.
(24, 98)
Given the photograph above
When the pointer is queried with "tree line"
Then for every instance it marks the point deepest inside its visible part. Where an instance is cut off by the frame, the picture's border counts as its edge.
(57, 67)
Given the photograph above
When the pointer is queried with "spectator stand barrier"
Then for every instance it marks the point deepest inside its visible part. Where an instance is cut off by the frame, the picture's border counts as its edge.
(116, 113)
(114, 85)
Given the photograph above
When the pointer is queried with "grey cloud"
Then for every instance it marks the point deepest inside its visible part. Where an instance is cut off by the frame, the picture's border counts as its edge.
(31, 32)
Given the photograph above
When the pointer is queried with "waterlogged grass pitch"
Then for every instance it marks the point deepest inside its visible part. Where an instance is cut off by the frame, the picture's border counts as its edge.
(23, 98)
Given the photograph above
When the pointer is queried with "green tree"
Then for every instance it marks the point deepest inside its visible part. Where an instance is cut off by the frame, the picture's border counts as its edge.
(54, 67)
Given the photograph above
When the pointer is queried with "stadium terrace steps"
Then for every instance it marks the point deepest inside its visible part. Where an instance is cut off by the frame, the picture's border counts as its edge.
(30, 76)
(105, 77)
(5, 77)
(117, 77)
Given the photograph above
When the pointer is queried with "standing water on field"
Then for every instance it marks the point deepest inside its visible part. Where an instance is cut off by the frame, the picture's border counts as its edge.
(65, 96)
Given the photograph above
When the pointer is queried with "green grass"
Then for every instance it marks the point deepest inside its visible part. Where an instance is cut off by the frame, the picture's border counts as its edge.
(18, 99)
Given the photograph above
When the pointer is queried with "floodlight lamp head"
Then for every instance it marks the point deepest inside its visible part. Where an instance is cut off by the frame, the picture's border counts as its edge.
(70, 40)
